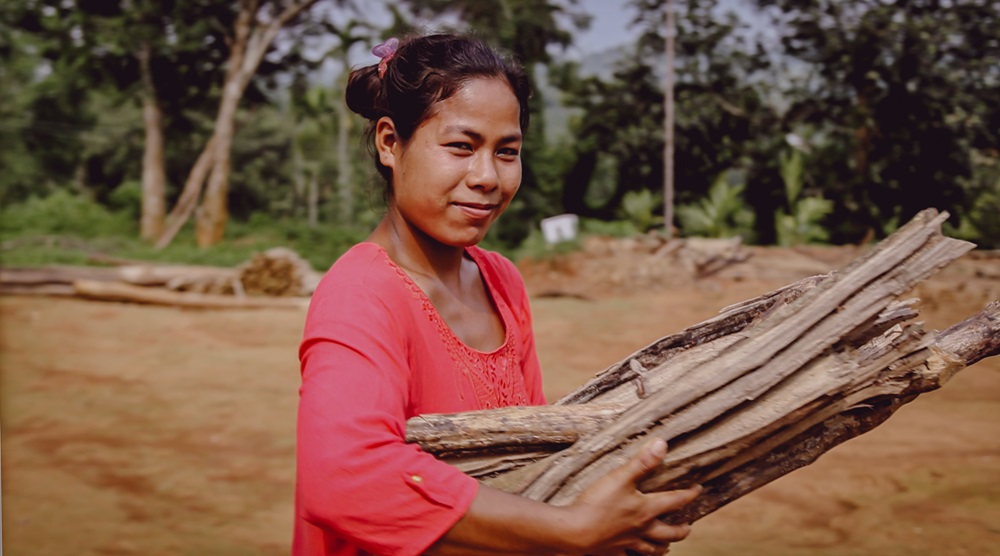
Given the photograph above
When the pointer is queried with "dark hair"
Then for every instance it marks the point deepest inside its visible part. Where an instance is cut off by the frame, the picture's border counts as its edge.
(426, 70)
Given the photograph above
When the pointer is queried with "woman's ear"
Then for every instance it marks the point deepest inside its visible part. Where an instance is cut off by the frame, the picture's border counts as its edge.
(386, 141)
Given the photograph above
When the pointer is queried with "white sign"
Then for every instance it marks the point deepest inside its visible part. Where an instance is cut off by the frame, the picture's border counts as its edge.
(559, 228)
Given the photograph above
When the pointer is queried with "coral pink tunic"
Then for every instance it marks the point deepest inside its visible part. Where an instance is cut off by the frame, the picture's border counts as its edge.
(375, 352)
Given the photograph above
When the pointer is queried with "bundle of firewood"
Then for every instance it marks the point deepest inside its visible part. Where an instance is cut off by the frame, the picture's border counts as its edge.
(762, 389)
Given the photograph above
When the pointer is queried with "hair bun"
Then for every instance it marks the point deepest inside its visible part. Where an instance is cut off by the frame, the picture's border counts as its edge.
(363, 90)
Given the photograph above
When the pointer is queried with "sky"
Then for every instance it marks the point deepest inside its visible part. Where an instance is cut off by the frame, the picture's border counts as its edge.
(609, 25)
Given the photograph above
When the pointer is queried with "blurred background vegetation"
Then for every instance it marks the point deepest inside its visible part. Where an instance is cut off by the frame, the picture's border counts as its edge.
(798, 121)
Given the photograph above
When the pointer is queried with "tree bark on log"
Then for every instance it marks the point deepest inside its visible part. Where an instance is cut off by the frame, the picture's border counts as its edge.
(764, 388)
(27, 277)
(117, 291)
(140, 274)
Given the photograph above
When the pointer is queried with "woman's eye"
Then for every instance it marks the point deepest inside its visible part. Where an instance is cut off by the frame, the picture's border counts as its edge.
(460, 146)
(508, 153)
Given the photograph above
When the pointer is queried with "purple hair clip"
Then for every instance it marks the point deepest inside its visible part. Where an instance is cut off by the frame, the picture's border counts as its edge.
(386, 51)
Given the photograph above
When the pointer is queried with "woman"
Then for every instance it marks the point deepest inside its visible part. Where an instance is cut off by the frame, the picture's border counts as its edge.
(417, 319)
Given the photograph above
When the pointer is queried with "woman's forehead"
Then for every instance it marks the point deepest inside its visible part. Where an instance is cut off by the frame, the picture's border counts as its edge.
(480, 102)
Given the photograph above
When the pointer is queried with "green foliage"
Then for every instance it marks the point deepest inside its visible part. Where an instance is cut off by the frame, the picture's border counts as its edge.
(802, 226)
(791, 164)
(65, 229)
(535, 248)
(980, 223)
(801, 223)
(899, 100)
(639, 208)
(722, 213)
(904, 93)
(63, 213)
(127, 198)
(608, 228)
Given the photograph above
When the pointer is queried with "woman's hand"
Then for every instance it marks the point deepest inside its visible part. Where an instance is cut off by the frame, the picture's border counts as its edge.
(615, 518)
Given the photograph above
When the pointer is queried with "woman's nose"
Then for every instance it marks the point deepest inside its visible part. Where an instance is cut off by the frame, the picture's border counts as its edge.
(483, 172)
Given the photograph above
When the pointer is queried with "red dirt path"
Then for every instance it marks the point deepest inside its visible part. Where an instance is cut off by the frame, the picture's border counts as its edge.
(148, 430)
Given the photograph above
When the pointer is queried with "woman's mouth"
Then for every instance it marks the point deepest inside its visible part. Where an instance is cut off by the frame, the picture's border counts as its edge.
(477, 211)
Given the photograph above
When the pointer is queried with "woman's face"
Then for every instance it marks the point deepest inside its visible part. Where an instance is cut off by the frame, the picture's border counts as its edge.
(460, 169)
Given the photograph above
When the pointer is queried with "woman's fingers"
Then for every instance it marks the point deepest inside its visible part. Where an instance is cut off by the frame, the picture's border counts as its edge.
(644, 548)
(622, 518)
(649, 458)
(673, 500)
(659, 532)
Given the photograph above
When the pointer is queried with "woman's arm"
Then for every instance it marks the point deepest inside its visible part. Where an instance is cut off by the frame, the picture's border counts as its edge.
(610, 517)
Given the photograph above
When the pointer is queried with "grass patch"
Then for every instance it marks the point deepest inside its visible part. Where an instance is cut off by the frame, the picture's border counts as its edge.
(67, 229)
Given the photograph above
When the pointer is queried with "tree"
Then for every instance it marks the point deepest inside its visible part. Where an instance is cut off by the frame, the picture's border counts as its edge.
(162, 55)
(254, 29)
(902, 95)
(349, 34)
(720, 109)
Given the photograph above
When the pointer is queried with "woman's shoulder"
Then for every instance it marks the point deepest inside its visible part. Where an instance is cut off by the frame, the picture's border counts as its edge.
(501, 273)
(364, 267)
(495, 262)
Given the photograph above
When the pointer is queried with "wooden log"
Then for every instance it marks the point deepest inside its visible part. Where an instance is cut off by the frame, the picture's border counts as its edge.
(164, 274)
(56, 290)
(54, 274)
(145, 274)
(116, 291)
(763, 389)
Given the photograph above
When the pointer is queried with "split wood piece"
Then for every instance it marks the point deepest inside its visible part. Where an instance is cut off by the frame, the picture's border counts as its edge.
(471, 440)
(761, 357)
(510, 430)
(117, 291)
(737, 468)
(730, 320)
(805, 403)
(806, 446)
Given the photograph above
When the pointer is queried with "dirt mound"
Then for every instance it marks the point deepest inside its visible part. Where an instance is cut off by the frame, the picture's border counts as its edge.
(610, 267)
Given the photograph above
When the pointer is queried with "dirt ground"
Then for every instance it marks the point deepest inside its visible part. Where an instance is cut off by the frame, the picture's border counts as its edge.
(132, 429)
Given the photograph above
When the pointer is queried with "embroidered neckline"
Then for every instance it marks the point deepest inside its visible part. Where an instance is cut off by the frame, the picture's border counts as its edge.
(421, 295)
(495, 376)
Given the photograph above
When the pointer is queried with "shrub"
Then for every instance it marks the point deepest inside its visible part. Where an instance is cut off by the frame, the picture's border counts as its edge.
(721, 214)
(63, 213)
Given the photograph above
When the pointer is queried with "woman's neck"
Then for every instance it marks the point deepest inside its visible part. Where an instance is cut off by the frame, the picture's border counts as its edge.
(417, 253)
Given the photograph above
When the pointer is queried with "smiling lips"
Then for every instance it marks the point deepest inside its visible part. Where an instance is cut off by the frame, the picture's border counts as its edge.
(476, 211)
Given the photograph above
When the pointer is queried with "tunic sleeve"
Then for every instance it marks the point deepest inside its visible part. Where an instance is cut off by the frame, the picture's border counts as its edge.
(357, 479)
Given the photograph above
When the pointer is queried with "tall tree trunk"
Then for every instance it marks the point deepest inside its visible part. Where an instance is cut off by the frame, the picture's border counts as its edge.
(313, 200)
(188, 199)
(668, 124)
(345, 177)
(154, 177)
(251, 40)
(213, 213)
(299, 194)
